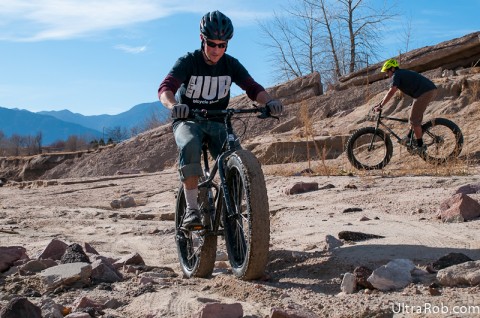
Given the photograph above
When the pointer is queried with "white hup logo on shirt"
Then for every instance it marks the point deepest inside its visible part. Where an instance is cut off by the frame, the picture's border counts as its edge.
(208, 87)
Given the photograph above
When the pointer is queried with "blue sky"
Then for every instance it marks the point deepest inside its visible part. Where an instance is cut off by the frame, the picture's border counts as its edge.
(105, 56)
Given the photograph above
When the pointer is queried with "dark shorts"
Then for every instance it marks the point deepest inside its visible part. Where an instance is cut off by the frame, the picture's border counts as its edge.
(189, 136)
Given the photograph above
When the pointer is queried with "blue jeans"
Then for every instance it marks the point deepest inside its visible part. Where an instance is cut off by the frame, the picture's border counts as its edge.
(189, 135)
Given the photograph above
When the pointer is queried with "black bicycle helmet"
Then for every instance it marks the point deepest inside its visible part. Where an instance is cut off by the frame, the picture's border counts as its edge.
(216, 26)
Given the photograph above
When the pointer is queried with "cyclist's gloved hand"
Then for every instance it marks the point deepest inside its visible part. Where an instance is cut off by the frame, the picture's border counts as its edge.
(276, 107)
(180, 111)
(378, 107)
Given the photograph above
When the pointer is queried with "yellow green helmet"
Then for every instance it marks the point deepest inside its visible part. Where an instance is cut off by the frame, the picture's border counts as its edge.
(389, 64)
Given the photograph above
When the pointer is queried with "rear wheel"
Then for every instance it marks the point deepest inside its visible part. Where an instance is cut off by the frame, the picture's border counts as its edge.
(444, 140)
(247, 229)
(369, 148)
(196, 249)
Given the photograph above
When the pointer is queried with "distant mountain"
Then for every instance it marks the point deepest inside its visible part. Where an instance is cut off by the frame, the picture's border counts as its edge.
(25, 123)
(134, 117)
(59, 125)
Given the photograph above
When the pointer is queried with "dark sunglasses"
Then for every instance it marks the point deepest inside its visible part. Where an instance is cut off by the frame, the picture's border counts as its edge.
(219, 45)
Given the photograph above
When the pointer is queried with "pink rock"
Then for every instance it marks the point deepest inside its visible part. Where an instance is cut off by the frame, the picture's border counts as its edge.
(85, 302)
(459, 208)
(220, 310)
(54, 250)
(130, 259)
(9, 255)
(89, 248)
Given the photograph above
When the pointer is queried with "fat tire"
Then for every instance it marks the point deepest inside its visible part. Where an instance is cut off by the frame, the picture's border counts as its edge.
(196, 250)
(359, 139)
(247, 234)
(442, 145)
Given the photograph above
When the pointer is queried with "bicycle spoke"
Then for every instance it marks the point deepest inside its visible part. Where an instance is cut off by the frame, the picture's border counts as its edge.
(238, 220)
(441, 142)
(195, 246)
(370, 149)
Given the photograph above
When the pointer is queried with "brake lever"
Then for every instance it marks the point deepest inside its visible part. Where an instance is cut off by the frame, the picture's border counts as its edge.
(266, 114)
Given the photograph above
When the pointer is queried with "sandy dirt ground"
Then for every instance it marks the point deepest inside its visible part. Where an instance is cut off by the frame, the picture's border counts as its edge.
(300, 273)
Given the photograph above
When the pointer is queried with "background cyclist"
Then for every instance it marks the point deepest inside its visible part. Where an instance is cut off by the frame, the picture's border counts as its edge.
(415, 85)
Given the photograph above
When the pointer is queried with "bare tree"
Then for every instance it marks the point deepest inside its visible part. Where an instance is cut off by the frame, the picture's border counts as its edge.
(29, 145)
(117, 133)
(72, 143)
(154, 120)
(2, 143)
(58, 145)
(38, 142)
(406, 37)
(17, 142)
(340, 36)
(75, 143)
(294, 41)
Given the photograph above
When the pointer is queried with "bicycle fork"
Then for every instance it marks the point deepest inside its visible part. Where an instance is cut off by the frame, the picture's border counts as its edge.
(207, 184)
(230, 145)
(226, 191)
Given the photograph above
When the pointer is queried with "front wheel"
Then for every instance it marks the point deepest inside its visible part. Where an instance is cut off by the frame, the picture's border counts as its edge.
(369, 148)
(444, 140)
(247, 228)
(196, 249)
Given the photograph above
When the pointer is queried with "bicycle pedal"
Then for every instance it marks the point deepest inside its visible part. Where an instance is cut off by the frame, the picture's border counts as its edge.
(193, 228)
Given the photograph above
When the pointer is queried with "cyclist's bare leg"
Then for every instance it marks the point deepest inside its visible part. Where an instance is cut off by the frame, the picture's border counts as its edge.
(417, 131)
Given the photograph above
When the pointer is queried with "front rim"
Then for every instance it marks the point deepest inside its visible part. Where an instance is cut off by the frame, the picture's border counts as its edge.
(237, 226)
(369, 149)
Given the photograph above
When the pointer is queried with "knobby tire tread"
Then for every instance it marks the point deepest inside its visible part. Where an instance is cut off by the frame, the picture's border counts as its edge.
(253, 181)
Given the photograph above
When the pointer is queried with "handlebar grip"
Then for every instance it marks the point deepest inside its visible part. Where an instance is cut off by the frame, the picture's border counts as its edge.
(264, 113)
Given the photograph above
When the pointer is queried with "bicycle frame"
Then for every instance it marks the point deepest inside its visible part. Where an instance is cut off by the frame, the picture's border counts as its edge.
(379, 123)
(218, 166)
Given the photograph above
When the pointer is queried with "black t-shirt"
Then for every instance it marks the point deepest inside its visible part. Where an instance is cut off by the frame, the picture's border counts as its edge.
(207, 86)
(411, 83)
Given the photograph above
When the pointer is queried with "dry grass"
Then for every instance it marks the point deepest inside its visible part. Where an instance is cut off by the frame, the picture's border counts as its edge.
(474, 88)
(307, 123)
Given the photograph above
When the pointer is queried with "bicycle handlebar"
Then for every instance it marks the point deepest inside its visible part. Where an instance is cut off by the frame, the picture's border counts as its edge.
(372, 114)
(205, 113)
